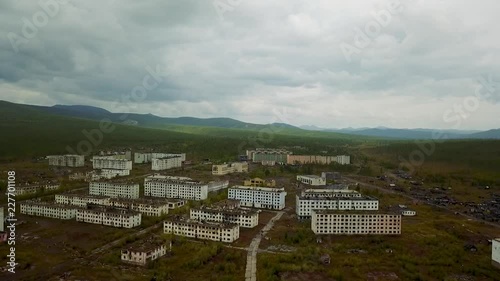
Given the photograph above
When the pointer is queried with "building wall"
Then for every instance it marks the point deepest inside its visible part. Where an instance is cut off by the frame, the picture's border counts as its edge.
(214, 232)
(318, 159)
(167, 188)
(67, 160)
(495, 252)
(125, 219)
(224, 169)
(312, 180)
(244, 219)
(258, 197)
(147, 209)
(48, 210)
(114, 189)
(165, 163)
(304, 206)
(99, 162)
(355, 223)
(143, 257)
(80, 201)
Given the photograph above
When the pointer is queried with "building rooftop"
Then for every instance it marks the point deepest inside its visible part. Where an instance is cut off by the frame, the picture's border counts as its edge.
(333, 198)
(310, 176)
(48, 204)
(109, 210)
(259, 188)
(357, 212)
(146, 201)
(234, 211)
(83, 195)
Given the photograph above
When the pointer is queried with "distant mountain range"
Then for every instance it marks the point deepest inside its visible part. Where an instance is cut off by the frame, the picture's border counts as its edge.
(418, 133)
(153, 121)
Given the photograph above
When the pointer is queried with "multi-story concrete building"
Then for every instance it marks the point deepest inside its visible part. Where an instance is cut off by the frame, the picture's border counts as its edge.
(214, 186)
(175, 203)
(34, 188)
(68, 160)
(140, 158)
(275, 155)
(165, 163)
(318, 159)
(495, 252)
(50, 210)
(227, 211)
(110, 216)
(144, 252)
(175, 187)
(223, 232)
(259, 182)
(259, 197)
(311, 180)
(114, 189)
(332, 199)
(108, 162)
(224, 169)
(147, 207)
(355, 223)
(81, 200)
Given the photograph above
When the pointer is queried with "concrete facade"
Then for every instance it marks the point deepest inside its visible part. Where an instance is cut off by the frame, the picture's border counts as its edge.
(311, 180)
(111, 189)
(109, 216)
(49, 210)
(259, 197)
(223, 232)
(175, 187)
(108, 162)
(224, 169)
(165, 163)
(68, 160)
(355, 223)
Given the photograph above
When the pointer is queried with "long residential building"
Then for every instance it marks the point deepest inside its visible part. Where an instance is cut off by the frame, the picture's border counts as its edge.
(109, 216)
(311, 179)
(217, 185)
(175, 187)
(223, 232)
(144, 252)
(355, 223)
(318, 159)
(235, 167)
(276, 155)
(114, 189)
(81, 200)
(259, 197)
(140, 158)
(227, 211)
(332, 199)
(50, 210)
(259, 182)
(147, 207)
(34, 188)
(68, 160)
(165, 163)
(108, 162)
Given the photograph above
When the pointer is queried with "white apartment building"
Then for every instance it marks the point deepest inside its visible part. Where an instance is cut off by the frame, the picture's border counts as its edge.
(332, 199)
(141, 158)
(259, 197)
(175, 187)
(69, 160)
(109, 216)
(144, 252)
(34, 188)
(311, 180)
(108, 162)
(50, 210)
(111, 189)
(165, 163)
(81, 200)
(495, 252)
(226, 214)
(147, 207)
(224, 169)
(223, 232)
(343, 159)
(355, 223)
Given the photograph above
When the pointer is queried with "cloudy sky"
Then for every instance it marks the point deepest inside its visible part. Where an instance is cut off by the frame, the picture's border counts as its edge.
(329, 63)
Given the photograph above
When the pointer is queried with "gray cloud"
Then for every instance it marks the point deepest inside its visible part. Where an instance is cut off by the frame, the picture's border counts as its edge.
(263, 56)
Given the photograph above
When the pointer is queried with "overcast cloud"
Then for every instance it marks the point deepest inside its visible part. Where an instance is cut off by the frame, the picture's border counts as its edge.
(261, 61)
